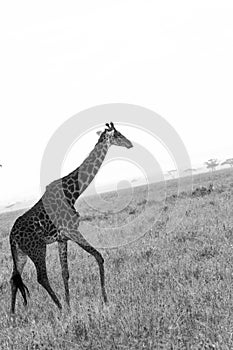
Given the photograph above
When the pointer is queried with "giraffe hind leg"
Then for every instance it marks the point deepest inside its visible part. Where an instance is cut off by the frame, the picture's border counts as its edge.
(38, 256)
(62, 247)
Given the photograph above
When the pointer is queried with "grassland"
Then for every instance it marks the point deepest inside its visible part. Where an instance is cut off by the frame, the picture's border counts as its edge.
(168, 289)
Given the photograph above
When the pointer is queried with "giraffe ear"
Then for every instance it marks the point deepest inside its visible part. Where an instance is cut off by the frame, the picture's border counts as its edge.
(98, 133)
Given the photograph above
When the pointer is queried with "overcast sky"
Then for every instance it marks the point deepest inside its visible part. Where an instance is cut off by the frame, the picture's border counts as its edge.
(59, 58)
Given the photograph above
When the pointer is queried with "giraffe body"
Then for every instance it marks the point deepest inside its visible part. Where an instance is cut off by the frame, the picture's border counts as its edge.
(54, 219)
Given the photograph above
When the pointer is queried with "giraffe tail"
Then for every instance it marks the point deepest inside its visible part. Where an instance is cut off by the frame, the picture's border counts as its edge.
(16, 277)
(17, 280)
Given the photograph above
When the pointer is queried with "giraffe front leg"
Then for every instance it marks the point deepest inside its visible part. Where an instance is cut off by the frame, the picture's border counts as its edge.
(62, 247)
(78, 238)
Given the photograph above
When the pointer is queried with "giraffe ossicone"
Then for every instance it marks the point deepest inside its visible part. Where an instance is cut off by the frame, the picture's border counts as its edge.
(54, 219)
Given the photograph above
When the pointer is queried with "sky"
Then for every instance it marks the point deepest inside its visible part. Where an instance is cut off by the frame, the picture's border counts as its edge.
(59, 58)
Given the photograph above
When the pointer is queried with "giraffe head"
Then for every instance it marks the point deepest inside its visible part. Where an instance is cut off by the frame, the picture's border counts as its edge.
(114, 137)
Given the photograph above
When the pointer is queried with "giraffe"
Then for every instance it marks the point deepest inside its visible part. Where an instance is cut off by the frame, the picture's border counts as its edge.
(54, 219)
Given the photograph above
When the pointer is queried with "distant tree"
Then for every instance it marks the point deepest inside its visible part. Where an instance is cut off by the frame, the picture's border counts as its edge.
(172, 173)
(228, 161)
(211, 164)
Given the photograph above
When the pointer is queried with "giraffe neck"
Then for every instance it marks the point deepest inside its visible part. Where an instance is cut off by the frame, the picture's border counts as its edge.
(78, 180)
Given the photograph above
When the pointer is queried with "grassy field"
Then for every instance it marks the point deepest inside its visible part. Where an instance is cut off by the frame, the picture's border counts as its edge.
(167, 289)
